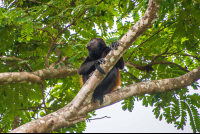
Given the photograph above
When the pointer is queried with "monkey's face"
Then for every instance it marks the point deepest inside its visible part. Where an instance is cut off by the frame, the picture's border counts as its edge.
(95, 48)
(92, 44)
(95, 43)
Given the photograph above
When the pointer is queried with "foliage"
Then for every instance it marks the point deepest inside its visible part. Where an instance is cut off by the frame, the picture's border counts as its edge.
(29, 28)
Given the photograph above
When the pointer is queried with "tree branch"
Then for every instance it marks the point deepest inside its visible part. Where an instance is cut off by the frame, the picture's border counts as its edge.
(55, 73)
(65, 117)
(98, 118)
(53, 43)
(148, 87)
(167, 62)
(15, 122)
(148, 66)
(41, 3)
(43, 29)
(39, 29)
(18, 77)
(13, 59)
(68, 115)
(151, 37)
(85, 94)
(35, 77)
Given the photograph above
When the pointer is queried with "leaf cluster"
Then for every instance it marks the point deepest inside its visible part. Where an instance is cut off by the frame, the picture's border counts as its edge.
(32, 30)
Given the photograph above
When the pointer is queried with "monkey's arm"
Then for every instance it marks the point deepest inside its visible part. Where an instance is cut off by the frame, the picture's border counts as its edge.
(89, 65)
(120, 63)
(86, 66)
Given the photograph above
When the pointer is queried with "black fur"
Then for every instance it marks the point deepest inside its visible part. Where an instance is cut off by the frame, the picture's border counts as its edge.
(97, 50)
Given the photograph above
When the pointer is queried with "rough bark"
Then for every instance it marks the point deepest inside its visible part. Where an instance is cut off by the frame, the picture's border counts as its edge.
(148, 87)
(18, 77)
(77, 109)
(35, 77)
(55, 73)
(68, 116)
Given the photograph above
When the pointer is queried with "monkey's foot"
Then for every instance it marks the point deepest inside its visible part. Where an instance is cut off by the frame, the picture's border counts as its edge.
(114, 45)
(100, 61)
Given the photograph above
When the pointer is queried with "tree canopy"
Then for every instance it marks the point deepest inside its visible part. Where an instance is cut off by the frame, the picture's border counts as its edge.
(43, 44)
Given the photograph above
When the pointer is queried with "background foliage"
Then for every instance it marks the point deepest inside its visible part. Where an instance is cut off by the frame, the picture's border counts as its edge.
(29, 29)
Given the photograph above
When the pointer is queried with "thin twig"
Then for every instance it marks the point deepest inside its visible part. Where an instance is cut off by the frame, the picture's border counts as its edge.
(36, 108)
(149, 38)
(43, 30)
(13, 58)
(15, 122)
(41, 3)
(167, 62)
(98, 118)
(134, 77)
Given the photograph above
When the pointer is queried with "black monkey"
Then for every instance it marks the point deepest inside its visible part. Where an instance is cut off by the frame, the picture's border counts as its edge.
(97, 50)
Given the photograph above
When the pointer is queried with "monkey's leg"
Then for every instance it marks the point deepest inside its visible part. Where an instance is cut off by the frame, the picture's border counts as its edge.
(104, 86)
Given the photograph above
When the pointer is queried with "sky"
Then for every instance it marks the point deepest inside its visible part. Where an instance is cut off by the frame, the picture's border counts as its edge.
(140, 120)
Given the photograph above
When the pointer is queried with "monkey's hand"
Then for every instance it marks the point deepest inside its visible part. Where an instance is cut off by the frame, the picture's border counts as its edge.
(100, 61)
(114, 45)
(97, 65)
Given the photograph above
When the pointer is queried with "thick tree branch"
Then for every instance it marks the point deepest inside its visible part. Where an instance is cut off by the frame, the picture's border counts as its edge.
(35, 77)
(68, 115)
(150, 16)
(65, 117)
(18, 77)
(148, 87)
(55, 73)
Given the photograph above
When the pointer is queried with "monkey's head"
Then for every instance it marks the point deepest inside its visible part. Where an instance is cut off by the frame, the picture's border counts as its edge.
(95, 48)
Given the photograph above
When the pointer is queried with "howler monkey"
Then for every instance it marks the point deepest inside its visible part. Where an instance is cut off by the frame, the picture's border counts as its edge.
(97, 50)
